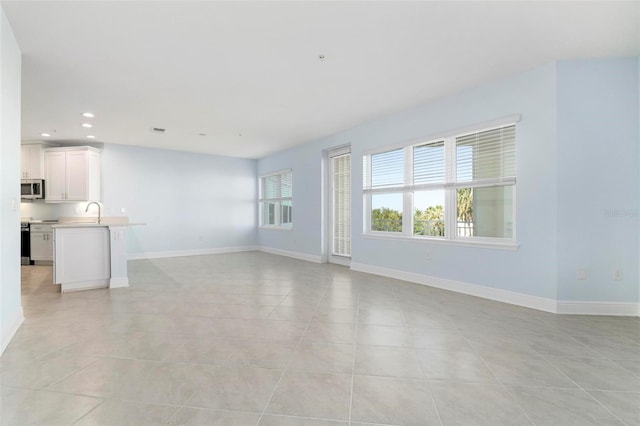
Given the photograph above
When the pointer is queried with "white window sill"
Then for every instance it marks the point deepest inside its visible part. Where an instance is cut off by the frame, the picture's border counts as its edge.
(276, 228)
(506, 245)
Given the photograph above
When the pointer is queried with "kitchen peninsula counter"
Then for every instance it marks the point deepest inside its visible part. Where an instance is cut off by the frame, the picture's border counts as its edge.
(89, 255)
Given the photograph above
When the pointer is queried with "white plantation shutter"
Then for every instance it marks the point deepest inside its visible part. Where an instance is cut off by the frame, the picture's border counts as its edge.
(428, 163)
(487, 157)
(286, 185)
(270, 187)
(387, 169)
(276, 192)
(473, 171)
(341, 166)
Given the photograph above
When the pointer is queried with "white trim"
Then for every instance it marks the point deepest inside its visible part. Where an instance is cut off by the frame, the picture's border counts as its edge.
(340, 260)
(505, 296)
(475, 242)
(84, 285)
(279, 172)
(435, 137)
(196, 252)
(119, 282)
(599, 308)
(338, 151)
(10, 329)
(275, 228)
(499, 295)
(294, 254)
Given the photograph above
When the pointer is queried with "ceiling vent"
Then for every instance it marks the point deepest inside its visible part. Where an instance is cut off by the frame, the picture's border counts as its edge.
(157, 130)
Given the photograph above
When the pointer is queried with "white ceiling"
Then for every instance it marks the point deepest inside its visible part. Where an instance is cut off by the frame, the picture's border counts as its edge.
(247, 74)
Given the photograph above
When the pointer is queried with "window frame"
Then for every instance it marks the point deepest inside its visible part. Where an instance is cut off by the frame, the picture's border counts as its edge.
(277, 201)
(449, 186)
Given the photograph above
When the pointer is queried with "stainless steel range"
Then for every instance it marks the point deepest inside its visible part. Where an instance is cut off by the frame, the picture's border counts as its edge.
(25, 244)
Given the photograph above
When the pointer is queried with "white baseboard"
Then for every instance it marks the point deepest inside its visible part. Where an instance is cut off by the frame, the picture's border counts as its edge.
(196, 252)
(294, 254)
(519, 299)
(10, 329)
(599, 308)
(84, 285)
(119, 282)
(499, 295)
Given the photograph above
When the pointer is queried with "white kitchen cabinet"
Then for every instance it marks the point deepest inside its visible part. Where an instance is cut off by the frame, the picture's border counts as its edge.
(72, 174)
(82, 257)
(32, 161)
(41, 242)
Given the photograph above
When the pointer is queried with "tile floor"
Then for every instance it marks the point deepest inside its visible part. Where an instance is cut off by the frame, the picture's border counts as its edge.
(258, 339)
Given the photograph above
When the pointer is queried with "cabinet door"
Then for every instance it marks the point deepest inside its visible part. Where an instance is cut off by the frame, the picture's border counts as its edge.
(35, 166)
(55, 176)
(77, 181)
(39, 246)
(48, 248)
(24, 161)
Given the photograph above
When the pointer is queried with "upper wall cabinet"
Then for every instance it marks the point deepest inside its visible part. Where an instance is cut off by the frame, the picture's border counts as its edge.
(32, 161)
(72, 174)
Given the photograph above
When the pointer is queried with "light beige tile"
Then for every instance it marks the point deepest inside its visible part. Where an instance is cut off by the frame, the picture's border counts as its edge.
(453, 365)
(624, 405)
(271, 420)
(392, 401)
(232, 388)
(318, 395)
(387, 361)
(323, 358)
(476, 404)
(127, 413)
(187, 416)
(38, 407)
(560, 407)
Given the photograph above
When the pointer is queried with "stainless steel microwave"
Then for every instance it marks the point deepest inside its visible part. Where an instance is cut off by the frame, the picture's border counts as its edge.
(32, 189)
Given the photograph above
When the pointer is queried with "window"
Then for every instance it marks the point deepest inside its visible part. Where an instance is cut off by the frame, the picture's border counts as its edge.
(276, 192)
(460, 187)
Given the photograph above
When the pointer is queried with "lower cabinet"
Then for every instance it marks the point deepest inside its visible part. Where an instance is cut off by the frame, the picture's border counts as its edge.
(41, 237)
(82, 258)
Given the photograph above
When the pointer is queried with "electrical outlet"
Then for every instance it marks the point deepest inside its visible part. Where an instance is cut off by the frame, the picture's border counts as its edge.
(427, 256)
(617, 274)
(581, 273)
(123, 210)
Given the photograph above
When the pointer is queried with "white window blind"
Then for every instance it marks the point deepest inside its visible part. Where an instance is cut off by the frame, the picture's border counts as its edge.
(459, 186)
(428, 163)
(276, 193)
(387, 169)
(487, 157)
(341, 166)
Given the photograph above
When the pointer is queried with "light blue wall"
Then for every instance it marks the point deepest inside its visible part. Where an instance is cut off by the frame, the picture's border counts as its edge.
(10, 66)
(188, 201)
(598, 178)
(531, 269)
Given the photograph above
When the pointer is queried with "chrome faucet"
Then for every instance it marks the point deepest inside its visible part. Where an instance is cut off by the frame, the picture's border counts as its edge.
(97, 204)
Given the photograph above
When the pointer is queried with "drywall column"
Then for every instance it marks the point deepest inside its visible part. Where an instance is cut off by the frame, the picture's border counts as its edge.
(598, 184)
(11, 315)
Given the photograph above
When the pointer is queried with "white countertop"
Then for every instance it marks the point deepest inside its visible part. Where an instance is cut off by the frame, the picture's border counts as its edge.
(92, 222)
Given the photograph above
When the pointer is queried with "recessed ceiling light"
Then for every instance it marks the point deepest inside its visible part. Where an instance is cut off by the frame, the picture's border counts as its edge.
(87, 114)
(46, 135)
(87, 125)
(91, 136)
(202, 134)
